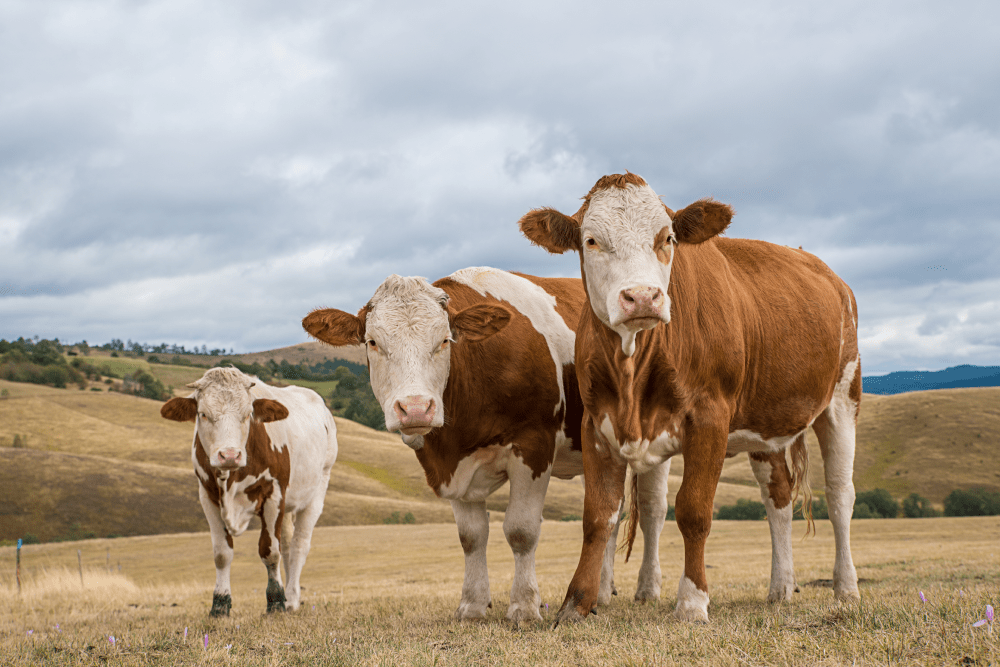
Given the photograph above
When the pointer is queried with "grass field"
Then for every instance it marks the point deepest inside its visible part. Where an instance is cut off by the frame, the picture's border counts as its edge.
(384, 595)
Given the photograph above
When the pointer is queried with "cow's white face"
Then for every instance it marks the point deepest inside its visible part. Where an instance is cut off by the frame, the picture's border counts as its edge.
(627, 252)
(225, 408)
(408, 339)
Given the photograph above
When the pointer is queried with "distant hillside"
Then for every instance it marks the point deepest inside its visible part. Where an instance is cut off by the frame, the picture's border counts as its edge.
(310, 352)
(949, 378)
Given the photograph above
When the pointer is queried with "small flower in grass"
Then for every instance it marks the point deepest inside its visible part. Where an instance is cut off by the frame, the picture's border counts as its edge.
(111, 639)
(922, 598)
(983, 621)
(206, 641)
(228, 646)
(185, 633)
(31, 632)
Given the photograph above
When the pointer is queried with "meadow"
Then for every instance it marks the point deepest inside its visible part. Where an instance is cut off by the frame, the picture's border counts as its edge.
(384, 595)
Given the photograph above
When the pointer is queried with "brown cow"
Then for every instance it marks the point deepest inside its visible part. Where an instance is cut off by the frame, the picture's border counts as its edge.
(476, 371)
(706, 347)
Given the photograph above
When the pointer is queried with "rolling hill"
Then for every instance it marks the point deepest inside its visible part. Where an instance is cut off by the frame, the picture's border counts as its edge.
(950, 378)
(107, 464)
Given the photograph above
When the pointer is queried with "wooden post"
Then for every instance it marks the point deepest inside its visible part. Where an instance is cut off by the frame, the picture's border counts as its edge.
(79, 562)
(19, 566)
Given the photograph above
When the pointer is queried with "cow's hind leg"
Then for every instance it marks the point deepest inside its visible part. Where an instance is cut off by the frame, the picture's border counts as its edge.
(473, 532)
(222, 548)
(521, 526)
(775, 483)
(607, 589)
(269, 548)
(652, 487)
(835, 430)
(298, 549)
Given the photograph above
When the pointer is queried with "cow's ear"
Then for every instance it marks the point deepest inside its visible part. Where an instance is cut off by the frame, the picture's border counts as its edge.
(479, 322)
(266, 410)
(550, 229)
(180, 409)
(335, 326)
(701, 221)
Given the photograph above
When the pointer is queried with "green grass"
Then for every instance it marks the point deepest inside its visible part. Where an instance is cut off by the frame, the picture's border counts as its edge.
(384, 595)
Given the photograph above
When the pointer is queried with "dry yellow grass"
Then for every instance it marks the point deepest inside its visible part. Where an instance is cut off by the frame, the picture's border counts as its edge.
(384, 595)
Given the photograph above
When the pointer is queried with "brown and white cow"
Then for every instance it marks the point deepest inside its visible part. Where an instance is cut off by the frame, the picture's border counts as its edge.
(264, 451)
(476, 371)
(705, 347)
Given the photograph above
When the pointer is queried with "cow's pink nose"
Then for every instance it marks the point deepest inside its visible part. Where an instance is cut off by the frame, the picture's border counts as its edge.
(229, 458)
(415, 411)
(641, 302)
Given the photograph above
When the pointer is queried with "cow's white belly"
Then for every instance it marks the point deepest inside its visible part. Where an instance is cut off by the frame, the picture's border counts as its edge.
(478, 475)
(744, 440)
(567, 463)
(642, 455)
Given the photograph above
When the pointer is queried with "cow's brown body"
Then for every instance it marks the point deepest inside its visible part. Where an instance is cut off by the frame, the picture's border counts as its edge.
(760, 342)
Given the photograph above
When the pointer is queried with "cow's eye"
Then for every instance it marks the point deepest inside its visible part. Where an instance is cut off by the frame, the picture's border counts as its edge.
(592, 243)
(444, 345)
(372, 346)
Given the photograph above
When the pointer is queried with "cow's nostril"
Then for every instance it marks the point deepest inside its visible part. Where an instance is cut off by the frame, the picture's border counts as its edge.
(628, 297)
(400, 410)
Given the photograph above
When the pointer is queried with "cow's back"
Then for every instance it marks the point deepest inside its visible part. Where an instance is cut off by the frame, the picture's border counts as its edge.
(310, 434)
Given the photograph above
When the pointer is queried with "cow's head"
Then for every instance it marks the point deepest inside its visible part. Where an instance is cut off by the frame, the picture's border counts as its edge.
(222, 408)
(408, 330)
(626, 238)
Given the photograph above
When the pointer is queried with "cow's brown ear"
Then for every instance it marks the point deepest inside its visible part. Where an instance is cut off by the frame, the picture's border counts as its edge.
(479, 322)
(702, 220)
(180, 409)
(266, 410)
(550, 229)
(335, 326)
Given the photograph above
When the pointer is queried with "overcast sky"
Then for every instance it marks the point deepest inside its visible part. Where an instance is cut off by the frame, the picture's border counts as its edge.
(208, 172)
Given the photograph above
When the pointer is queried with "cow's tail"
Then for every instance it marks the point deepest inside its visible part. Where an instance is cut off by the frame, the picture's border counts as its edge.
(800, 481)
(633, 512)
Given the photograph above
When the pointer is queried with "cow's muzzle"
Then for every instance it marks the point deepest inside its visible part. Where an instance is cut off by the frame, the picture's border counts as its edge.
(641, 307)
(415, 414)
(230, 459)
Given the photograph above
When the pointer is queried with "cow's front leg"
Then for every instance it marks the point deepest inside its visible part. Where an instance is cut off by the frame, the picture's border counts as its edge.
(775, 483)
(522, 525)
(269, 547)
(704, 452)
(604, 487)
(652, 488)
(298, 548)
(473, 532)
(222, 548)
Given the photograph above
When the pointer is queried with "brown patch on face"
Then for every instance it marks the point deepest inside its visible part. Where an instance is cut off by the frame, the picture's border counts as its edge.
(620, 181)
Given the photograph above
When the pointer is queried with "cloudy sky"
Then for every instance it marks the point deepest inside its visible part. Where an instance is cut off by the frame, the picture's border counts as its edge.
(208, 172)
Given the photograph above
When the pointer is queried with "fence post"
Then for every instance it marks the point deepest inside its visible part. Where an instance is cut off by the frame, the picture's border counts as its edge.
(79, 562)
(19, 566)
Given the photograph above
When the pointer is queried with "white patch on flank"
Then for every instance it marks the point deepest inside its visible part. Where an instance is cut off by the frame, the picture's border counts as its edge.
(642, 455)
(534, 303)
(692, 603)
(624, 224)
(745, 440)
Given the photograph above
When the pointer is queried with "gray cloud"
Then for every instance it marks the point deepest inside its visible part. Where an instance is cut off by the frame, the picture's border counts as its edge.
(171, 171)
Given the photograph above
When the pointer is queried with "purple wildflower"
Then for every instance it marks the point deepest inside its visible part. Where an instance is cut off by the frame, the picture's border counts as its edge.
(111, 639)
(206, 641)
(922, 598)
(31, 632)
(185, 633)
(989, 613)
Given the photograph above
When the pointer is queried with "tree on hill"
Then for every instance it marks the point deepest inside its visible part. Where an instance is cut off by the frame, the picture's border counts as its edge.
(915, 506)
(879, 501)
(37, 362)
(972, 502)
(743, 510)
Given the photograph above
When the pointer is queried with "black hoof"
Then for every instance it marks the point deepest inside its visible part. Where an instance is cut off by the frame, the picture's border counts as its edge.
(275, 596)
(221, 604)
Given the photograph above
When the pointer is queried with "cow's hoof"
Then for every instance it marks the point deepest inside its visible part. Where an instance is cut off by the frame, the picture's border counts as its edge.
(275, 597)
(848, 596)
(691, 614)
(221, 604)
(568, 614)
(782, 594)
(647, 594)
(472, 611)
(605, 593)
(518, 613)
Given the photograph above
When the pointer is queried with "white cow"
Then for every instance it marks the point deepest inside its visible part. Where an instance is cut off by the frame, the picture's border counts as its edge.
(258, 450)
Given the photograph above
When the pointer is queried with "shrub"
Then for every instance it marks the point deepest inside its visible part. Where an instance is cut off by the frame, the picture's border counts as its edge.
(878, 501)
(915, 506)
(743, 510)
(972, 502)
(862, 511)
(571, 517)
(145, 385)
(30, 539)
(20, 441)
